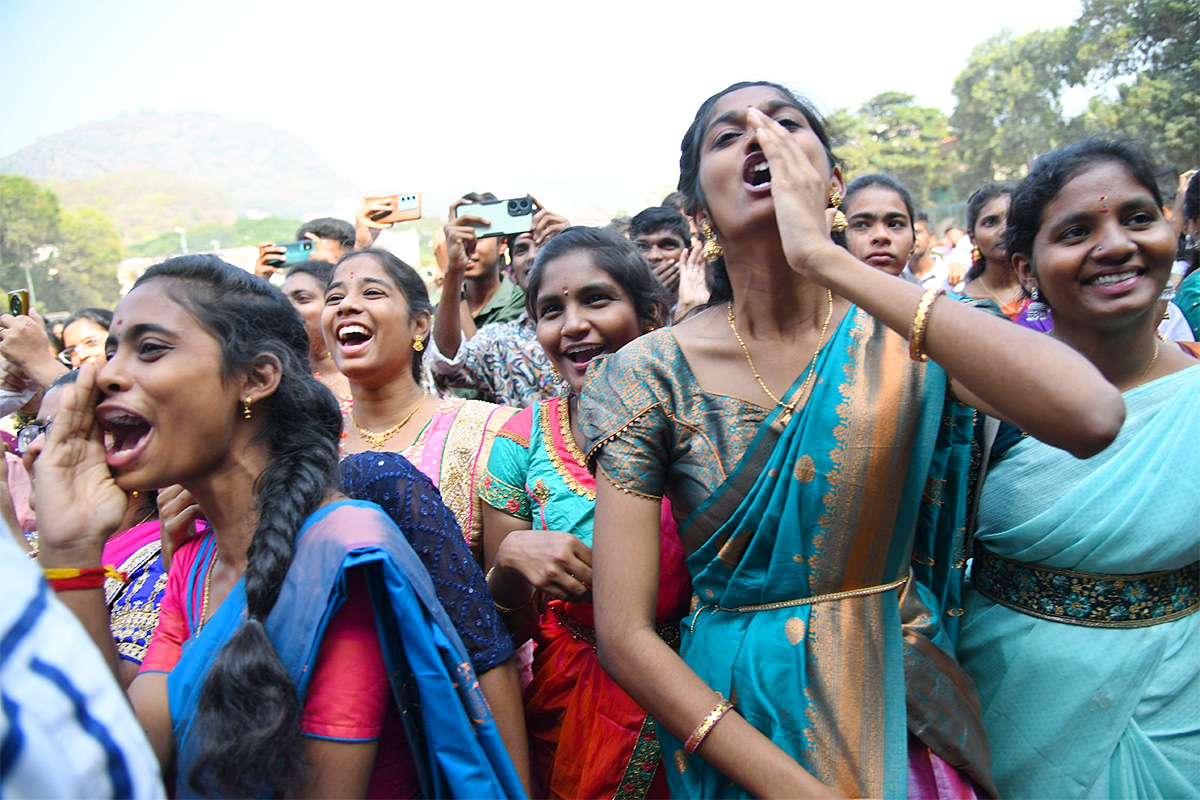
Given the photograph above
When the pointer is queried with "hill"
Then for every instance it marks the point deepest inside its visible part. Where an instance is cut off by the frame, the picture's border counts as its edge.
(153, 170)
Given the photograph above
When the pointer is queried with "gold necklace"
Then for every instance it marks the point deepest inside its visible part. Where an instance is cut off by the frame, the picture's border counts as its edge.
(995, 295)
(788, 408)
(1149, 367)
(377, 440)
(207, 586)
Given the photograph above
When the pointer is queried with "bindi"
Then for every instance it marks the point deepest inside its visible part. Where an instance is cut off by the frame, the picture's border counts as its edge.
(566, 291)
(1103, 203)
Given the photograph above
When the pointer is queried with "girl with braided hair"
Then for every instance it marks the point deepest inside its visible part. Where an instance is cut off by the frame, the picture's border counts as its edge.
(300, 646)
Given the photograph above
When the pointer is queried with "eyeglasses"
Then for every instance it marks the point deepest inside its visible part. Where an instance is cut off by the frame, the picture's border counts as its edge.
(89, 344)
(33, 430)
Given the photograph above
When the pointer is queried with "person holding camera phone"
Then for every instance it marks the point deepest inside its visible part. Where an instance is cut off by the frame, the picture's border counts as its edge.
(332, 238)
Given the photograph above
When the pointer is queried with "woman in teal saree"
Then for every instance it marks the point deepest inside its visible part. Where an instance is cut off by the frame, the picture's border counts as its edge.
(1081, 629)
(803, 523)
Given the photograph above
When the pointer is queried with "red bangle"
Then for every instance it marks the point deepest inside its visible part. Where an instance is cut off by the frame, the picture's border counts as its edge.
(68, 579)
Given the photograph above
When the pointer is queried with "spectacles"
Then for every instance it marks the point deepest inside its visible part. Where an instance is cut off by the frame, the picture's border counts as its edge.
(33, 430)
(88, 344)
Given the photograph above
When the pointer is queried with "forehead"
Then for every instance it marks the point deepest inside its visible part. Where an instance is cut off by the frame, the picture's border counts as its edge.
(302, 281)
(573, 269)
(659, 235)
(995, 205)
(152, 303)
(749, 96)
(1110, 179)
(359, 268)
(877, 200)
(82, 329)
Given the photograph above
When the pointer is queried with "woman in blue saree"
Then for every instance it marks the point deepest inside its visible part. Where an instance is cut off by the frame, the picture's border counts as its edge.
(301, 647)
(803, 520)
(1080, 628)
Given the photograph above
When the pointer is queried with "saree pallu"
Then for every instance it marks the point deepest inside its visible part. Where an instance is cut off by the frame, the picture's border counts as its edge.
(1080, 711)
(455, 744)
(864, 486)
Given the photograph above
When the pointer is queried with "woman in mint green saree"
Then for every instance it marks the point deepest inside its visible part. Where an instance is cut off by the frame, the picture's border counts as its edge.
(1080, 628)
(819, 473)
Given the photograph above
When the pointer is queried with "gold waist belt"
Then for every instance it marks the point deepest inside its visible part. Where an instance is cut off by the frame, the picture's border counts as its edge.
(802, 601)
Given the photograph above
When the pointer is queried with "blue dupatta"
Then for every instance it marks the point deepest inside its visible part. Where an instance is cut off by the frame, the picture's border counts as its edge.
(456, 746)
(873, 464)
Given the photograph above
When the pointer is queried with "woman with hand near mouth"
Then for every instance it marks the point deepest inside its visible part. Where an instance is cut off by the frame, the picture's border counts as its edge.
(818, 461)
(590, 293)
(879, 222)
(377, 319)
(266, 674)
(1092, 691)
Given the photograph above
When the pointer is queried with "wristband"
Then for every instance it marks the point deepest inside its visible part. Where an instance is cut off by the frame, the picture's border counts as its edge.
(506, 609)
(69, 578)
(707, 724)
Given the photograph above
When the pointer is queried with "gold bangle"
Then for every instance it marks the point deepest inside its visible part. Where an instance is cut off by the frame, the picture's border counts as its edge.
(916, 334)
(707, 724)
(506, 609)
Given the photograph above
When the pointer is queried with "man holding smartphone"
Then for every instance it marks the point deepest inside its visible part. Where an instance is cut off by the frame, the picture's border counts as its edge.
(332, 238)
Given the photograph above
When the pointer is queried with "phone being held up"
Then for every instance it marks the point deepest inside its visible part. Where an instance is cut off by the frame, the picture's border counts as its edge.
(507, 217)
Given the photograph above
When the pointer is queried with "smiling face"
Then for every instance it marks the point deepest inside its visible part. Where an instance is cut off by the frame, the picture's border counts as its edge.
(307, 295)
(173, 417)
(988, 233)
(582, 313)
(83, 341)
(1103, 251)
(523, 252)
(368, 325)
(734, 176)
(880, 232)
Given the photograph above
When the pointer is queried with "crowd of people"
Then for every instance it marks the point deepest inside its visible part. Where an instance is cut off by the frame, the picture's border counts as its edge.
(763, 491)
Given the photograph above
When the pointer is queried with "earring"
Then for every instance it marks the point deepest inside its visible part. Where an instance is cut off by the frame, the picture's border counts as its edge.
(246, 408)
(712, 248)
(1037, 310)
(650, 328)
(418, 343)
(1168, 293)
(839, 223)
(976, 256)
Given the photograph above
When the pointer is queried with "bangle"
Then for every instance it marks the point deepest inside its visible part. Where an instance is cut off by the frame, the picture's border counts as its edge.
(505, 609)
(707, 724)
(916, 334)
(68, 578)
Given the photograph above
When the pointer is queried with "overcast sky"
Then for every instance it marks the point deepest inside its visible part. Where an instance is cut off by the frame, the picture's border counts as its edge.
(582, 104)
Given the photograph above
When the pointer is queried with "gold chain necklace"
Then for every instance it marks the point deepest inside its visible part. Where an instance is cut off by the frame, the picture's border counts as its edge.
(996, 295)
(1150, 366)
(788, 408)
(207, 586)
(377, 440)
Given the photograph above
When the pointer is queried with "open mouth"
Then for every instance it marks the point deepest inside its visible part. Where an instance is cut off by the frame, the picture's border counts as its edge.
(352, 337)
(129, 435)
(582, 355)
(755, 171)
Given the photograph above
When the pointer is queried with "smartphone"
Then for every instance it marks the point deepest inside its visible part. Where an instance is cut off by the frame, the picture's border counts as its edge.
(293, 252)
(507, 216)
(405, 207)
(18, 302)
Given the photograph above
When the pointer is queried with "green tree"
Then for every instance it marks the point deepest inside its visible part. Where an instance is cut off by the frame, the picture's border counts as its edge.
(82, 270)
(29, 218)
(890, 133)
(1009, 104)
(1147, 52)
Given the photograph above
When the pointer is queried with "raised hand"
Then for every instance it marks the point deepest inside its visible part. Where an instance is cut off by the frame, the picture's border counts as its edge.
(268, 252)
(177, 517)
(800, 192)
(546, 224)
(79, 502)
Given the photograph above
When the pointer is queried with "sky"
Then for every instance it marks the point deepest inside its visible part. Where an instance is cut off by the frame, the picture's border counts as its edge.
(581, 104)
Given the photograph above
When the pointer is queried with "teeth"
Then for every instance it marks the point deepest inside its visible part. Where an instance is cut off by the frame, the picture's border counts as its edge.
(1105, 280)
(346, 330)
(761, 166)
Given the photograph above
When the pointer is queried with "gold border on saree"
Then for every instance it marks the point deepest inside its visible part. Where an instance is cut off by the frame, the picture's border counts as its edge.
(801, 601)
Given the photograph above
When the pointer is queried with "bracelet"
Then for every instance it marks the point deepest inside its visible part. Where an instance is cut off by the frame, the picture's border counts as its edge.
(66, 579)
(916, 334)
(505, 609)
(707, 724)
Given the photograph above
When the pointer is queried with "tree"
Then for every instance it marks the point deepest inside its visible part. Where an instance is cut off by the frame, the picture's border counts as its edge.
(68, 259)
(1009, 105)
(893, 135)
(1149, 50)
(28, 221)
